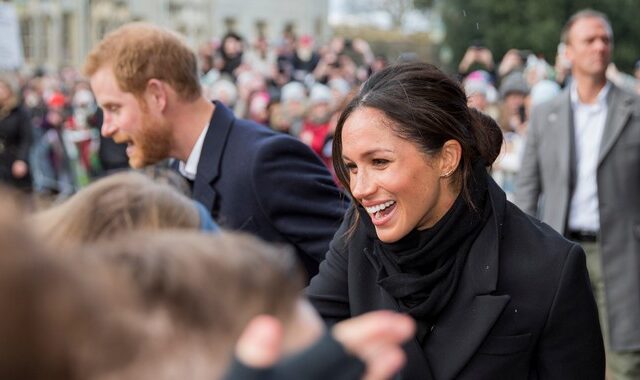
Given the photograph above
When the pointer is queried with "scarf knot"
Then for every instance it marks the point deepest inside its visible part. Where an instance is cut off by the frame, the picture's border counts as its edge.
(422, 270)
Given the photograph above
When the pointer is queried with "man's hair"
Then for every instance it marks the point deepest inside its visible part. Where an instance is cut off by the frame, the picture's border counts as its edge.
(585, 13)
(138, 52)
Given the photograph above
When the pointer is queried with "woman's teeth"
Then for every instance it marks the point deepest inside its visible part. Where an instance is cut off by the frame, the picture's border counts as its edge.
(380, 207)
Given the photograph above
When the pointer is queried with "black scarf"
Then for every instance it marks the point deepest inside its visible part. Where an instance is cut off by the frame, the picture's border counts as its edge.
(422, 270)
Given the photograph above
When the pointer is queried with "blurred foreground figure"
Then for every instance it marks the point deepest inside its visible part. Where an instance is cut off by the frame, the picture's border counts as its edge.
(579, 174)
(59, 320)
(189, 285)
(164, 305)
(368, 346)
(116, 205)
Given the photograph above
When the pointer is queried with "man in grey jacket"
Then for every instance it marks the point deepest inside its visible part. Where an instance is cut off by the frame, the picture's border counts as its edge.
(580, 175)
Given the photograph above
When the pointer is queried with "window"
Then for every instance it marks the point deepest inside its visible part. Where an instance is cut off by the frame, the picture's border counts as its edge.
(27, 38)
(261, 28)
(230, 24)
(67, 37)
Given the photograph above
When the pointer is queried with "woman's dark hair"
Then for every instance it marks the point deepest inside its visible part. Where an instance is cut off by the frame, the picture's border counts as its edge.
(428, 108)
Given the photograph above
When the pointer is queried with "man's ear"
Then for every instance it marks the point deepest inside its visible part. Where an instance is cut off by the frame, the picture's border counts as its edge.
(156, 94)
(450, 156)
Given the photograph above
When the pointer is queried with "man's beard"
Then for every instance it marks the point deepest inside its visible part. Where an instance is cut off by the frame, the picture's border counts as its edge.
(153, 143)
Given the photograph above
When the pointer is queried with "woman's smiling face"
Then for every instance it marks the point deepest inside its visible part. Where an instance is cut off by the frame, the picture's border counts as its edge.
(400, 186)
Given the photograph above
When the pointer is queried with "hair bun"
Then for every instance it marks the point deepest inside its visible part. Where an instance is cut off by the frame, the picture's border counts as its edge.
(488, 136)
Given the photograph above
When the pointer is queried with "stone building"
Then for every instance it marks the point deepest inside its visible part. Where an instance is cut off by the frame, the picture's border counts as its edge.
(56, 33)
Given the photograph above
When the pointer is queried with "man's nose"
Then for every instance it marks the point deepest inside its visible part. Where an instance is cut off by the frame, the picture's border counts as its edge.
(107, 129)
(601, 44)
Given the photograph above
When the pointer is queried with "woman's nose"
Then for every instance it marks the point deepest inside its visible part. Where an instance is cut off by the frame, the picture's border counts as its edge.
(361, 185)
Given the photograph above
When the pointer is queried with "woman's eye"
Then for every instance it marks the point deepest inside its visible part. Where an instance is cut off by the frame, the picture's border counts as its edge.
(380, 162)
(351, 167)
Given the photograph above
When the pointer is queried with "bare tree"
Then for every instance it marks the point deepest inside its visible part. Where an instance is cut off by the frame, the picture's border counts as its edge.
(396, 9)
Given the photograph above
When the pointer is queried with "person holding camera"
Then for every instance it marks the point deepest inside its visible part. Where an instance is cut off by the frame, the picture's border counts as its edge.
(477, 56)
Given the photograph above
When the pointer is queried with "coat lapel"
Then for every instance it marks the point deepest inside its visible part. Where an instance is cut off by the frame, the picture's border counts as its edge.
(620, 107)
(211, 156)
(560, 121)
(466, 322)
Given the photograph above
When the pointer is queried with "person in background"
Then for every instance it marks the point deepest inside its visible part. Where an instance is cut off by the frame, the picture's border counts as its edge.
(258, 107)
(224, 91)
(578, 175)
(513, 60)
(316, 121)
(477, 57)
(229, 56)
(248, 83)
(304, 59)
(514, 93)
(495, 293)
(261, 58)
(481, 94)
(293, 100)
(16, 137)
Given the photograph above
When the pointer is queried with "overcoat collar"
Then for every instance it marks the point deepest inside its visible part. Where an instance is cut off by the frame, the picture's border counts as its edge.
(467, 320)
(620, 106)
(212, 151)
(560, 117)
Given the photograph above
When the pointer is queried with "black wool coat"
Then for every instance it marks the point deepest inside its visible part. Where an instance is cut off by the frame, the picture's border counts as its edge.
(16, 137)
(269, 184)
(523, 308)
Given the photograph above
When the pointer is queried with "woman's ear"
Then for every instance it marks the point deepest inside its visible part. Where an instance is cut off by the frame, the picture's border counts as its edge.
(450, 156)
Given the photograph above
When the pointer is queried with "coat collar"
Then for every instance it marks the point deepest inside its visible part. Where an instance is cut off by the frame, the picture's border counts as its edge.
(620, 107)
(620, 104)
(467, 320)
(212, 151)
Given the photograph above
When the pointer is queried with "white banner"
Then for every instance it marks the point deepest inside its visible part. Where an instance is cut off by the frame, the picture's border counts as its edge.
(11, 54)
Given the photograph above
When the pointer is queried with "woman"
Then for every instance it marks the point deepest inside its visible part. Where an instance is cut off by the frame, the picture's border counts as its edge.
(15, 138)
(496, 294)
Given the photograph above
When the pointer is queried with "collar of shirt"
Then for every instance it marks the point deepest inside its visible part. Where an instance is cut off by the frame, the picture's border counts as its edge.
(189, 169)
(601, 99)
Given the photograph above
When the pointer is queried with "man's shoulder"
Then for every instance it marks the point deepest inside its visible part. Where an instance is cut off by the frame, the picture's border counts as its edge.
(561, 100)
(261, 139)
(532, 242)
(624, 95)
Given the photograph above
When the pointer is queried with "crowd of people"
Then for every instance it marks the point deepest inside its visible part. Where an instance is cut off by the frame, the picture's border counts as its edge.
(263, 169)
